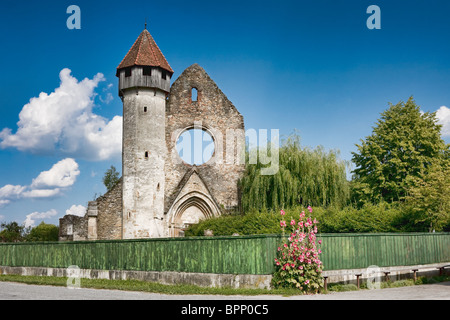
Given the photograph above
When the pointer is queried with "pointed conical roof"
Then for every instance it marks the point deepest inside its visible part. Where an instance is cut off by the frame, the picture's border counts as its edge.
(145, 52)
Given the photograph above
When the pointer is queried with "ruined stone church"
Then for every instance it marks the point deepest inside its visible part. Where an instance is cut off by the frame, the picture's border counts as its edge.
(159, 194)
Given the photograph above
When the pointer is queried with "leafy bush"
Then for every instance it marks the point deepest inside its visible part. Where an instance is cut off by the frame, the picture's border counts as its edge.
(371, 218)
(342, 287)
(402, 283)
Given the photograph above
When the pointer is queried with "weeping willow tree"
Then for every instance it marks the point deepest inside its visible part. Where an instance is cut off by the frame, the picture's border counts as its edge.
(305, 177)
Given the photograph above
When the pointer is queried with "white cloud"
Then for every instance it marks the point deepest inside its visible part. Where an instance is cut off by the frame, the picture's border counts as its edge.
(62, 174)
(443, 115)
(41, 193)
(47, 184)
(75, 210)
(62, 122)
(11, 192)
(32, 217)
(109, 97)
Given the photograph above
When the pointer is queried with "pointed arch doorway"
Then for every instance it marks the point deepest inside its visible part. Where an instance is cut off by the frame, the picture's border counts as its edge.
(188, 210)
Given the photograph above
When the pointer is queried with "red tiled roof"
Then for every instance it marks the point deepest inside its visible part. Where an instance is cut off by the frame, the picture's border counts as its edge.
(145, 52)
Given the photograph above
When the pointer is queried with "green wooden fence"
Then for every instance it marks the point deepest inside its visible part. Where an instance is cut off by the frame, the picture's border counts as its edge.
(228, 255)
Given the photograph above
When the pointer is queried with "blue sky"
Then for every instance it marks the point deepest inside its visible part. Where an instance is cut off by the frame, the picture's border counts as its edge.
(313, 66)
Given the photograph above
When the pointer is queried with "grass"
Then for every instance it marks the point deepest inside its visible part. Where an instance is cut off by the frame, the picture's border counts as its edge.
(144, 286)
(337, 287)
(182, 289)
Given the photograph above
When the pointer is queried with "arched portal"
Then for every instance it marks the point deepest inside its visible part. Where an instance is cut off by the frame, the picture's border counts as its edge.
(188, 210)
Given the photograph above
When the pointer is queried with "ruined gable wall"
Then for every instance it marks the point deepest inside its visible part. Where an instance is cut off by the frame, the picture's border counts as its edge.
(215, 112)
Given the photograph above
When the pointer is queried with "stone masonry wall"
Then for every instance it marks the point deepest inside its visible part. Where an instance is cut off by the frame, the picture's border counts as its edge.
(216, 114)
(76, 225)
(109, 218)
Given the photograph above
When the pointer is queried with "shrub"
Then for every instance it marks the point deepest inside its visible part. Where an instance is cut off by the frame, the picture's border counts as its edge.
(402, 283)
(342, 287)
(371, 218)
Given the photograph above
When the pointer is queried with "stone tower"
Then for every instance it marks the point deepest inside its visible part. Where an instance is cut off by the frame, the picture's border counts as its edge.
(159, 194)
(144, 83)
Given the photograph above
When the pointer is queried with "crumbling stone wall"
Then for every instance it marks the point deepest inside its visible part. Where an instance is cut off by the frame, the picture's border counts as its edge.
(218, 116)
(109, 218)
(107, 223)
(72, 228)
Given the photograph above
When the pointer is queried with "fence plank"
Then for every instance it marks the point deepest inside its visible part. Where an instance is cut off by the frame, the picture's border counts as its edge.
(228, 255)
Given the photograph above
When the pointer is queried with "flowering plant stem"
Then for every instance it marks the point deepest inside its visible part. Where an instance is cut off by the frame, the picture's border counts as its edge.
(298, 264)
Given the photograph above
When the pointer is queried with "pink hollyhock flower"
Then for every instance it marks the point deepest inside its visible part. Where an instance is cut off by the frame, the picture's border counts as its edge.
(320, 241)
(283, 223)
(309, 209)
(300, 224)
(307, 281)
(292, 222)
(302, 214)
(282, 212)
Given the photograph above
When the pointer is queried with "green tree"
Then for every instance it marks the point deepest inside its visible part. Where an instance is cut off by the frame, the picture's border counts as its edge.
(428, 198)
(305, 177)
(110, 178)
(404, 142)
(43, 232)
(12, 232)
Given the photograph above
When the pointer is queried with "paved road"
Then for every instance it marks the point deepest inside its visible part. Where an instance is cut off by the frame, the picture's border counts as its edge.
(17, 291)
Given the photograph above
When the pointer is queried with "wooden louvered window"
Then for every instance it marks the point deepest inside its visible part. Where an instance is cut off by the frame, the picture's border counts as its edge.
(147, 71)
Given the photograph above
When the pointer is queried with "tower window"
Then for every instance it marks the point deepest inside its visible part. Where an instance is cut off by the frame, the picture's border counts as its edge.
(163, 75)
(146, 154)
(194, 93)
(128, 72)
(145, 109)
(147, 71)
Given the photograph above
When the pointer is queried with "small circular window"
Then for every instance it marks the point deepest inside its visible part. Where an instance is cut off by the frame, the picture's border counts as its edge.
(195, 146)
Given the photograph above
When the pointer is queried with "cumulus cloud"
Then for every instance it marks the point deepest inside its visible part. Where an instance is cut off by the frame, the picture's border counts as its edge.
(75, 210)
(9, 192)
(443, 115)
(41, 193)
(62, 174)
(32, 217)
(63, 122)
(47, 184)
